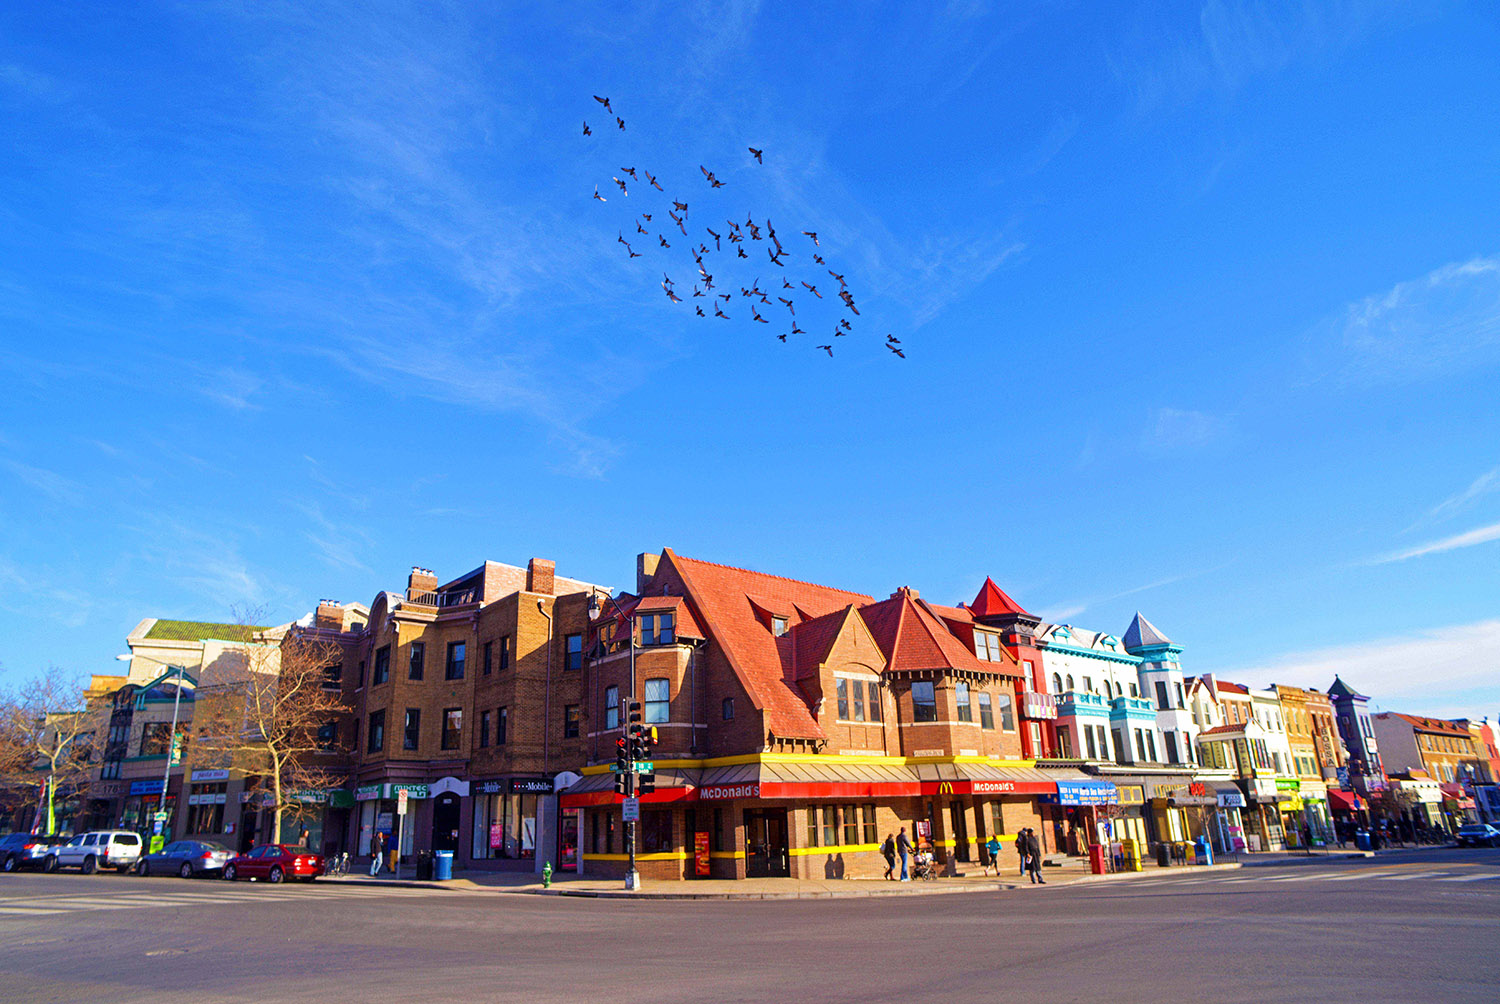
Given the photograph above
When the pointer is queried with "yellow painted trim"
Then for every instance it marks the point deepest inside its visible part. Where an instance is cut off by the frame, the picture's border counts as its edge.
(732, 855)
(797, 852)
(661, 856)
(811, 758)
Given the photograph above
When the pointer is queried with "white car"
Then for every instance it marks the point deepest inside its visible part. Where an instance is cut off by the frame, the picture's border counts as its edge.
(117, 849)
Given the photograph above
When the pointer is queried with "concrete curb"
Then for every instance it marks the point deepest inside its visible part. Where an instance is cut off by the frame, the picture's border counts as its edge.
(1309, 859)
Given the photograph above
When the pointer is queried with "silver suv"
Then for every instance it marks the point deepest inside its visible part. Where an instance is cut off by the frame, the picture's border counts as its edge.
(117, 849)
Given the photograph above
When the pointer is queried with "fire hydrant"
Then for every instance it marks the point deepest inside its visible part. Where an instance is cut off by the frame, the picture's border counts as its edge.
(546, 874)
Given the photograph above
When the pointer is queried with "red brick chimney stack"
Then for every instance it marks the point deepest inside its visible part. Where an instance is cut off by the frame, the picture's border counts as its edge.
(421, 580)
(330, 615)
(539, 575)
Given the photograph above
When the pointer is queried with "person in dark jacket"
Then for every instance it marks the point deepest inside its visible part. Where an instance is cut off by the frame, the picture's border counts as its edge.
(889, 850)
(903, 847)
(1034, 857)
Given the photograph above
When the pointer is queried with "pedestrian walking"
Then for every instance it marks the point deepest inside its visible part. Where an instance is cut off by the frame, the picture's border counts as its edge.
(1022, 845)
(377, 851)
(903, 847)
(1034, 857)
(993, 846)
(889, 850)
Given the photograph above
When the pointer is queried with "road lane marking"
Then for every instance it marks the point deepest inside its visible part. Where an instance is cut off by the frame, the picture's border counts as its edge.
(1472, 878)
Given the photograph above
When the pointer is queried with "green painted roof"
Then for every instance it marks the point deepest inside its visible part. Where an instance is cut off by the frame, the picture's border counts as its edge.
(200, 630)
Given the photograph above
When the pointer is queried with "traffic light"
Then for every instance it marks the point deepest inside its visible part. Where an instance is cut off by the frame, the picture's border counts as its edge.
(622, 755)
(633, 712)
(647, 782)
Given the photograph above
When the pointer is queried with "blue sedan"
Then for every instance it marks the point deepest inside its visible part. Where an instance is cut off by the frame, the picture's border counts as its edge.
(186, 858)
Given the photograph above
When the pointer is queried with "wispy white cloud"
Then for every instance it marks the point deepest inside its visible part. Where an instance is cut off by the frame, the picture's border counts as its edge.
(1443, 322)
(1063, 612)
(1487, 482)
(49, 483)
(1444, 670)
(1177, 428)
(1482, 535)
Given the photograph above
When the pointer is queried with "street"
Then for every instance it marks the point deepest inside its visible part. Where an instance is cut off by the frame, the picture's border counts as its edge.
(1404, 927)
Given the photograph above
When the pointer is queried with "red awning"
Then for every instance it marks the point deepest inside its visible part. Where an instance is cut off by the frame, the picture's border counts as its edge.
(1345, 801)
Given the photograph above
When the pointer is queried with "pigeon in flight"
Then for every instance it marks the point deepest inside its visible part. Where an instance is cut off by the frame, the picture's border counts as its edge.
(788, 305)
(598, 196)
(621, 121)
(893, 339)
(814, 235)
(828, 349)
(605, 103)
(630, 171)
(586, 130)
(622, 187)
(715, 237)
(897, 351)
(813, 290)
(757, 154)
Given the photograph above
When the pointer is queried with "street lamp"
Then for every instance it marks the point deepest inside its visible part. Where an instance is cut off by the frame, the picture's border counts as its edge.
(632, 876)
(166, 774)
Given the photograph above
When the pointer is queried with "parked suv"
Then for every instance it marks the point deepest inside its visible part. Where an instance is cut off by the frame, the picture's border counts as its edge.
(26, 850)
(117, 849)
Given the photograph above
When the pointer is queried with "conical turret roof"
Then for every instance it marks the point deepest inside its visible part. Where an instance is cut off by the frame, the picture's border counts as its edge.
(1143, 634)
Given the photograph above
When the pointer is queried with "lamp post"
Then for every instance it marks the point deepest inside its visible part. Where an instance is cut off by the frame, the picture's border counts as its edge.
(166, 774)
(632, 876)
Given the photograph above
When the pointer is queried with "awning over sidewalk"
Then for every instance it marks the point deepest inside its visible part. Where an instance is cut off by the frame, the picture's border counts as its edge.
(1344, 801)
(672, 785)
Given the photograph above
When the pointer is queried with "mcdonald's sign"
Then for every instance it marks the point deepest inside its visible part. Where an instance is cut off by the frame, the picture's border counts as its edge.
(945, 787)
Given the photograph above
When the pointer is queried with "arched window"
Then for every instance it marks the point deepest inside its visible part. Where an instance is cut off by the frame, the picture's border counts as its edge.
(1057, 687)
(1070, 681)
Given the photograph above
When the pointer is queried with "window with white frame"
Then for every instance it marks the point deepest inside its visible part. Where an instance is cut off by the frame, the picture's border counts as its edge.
(658, 706)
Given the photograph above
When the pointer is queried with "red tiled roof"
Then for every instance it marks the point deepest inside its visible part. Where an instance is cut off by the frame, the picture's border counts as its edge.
(685, 623)
(992, 601)
(913, 637)
(1218, 729)
(961, 615)
(721, 594)
(1230, 688)
(1433, 724)
(806, 646)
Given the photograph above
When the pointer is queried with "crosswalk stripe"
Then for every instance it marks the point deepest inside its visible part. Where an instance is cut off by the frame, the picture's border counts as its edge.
(1407, 878)
(1472, 878)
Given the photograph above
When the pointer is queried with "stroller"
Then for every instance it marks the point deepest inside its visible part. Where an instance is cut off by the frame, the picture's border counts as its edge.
(922, 866)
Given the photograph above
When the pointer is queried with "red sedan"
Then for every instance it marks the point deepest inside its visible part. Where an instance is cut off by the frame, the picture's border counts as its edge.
(275, 863)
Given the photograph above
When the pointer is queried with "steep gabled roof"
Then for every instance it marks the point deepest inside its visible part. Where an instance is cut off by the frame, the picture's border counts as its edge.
(1224, 687)
(1342, 689)
(913, 637)
(1143, 634)
(993, 602)
(806, 646)
(722, 596)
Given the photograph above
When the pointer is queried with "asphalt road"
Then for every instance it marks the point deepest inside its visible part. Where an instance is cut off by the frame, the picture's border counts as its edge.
(1413, 927)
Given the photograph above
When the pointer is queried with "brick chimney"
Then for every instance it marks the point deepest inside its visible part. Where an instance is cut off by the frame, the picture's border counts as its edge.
(421, 580)
(539, 575)
(906, 591)
(645, 567)
(330, 615)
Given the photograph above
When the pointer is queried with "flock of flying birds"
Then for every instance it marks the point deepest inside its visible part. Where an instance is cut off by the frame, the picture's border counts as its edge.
(738, 236)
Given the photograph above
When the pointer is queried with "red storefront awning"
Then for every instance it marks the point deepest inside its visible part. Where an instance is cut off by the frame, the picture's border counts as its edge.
(1344, 801)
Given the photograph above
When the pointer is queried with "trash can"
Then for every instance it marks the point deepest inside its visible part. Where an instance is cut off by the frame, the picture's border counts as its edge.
(443, 870)
(1163, 855)
(1205, 853)
(1362, 839)
(1097, 859)
(424, 866)
(1132, 849)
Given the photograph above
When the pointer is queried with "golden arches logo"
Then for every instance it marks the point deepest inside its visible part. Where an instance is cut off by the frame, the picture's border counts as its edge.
(945, 788)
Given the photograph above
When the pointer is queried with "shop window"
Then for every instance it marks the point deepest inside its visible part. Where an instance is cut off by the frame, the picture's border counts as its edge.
(382, 665)
(502, 723)
(851, 825)
(454, 670)
(658, 706)
(923, 702)
(570, 721)
(484, 729)
(611, 707)
(573, 645)
(873, 689)
(333, 676)
(416, 658)
(841, 689)
(655, 832)
(812, 826)
(961, 698)
(986, 711)
(830, 826)
(504, 827)
(726, 708)
(453, 727)
(411, 729)
(1007, 712)
(867, 815)
(376, 732)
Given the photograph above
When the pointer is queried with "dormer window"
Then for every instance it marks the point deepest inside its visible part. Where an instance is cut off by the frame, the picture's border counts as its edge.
(987, 646)
(657, 629)
(778, 626)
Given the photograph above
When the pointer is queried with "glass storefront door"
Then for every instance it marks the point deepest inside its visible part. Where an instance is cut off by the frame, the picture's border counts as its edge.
(766, 852)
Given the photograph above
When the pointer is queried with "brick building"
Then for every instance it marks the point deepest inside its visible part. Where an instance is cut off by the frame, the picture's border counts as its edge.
(800, 725)
(469, 696)
(1317, 754)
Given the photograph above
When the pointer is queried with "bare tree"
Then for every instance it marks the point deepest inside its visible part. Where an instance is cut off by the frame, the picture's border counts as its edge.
(271, 717)
(49, 734)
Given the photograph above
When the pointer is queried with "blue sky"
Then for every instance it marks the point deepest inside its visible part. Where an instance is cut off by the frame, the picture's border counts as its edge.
(1201, 308)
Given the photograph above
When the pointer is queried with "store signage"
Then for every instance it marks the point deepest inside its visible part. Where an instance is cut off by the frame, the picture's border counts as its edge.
(450, 786)
(994, 787)
(1087, 793)
(1288, 784)
(210, 775)
(1199, 790)
(401, 798)
(927, 753)
(720, 791)
(1343, 775)
(1231, 800)
(411, 790)
(497, 836)
(146, 787)
(700, 853)
(531, 786)
(494, 786)
(367, 792)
